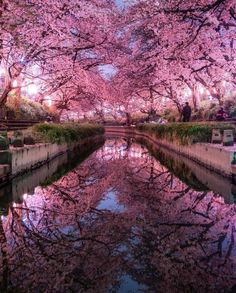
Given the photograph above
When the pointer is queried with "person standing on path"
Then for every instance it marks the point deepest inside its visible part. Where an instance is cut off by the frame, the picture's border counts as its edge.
(186, 112)
(221, 115)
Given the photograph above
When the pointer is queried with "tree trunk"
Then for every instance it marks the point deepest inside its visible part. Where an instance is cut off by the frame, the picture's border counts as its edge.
(194, 98)
(7, 90)
(220, 101)
(18, 93)
(128, 118)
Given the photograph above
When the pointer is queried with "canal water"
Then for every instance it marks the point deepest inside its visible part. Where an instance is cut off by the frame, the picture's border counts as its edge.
(129, 218)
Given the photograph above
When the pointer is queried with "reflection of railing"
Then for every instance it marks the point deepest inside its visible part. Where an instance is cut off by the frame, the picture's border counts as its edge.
(16, 124)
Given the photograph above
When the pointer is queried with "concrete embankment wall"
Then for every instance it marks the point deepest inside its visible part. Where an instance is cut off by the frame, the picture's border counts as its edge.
(18, 160)
(194, 171)
(213, 157)
(26, 157)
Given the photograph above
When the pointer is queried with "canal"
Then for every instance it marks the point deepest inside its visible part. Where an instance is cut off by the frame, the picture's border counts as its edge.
(126, 218)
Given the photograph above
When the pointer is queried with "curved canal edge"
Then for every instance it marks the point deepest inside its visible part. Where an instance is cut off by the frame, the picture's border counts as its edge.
(17, 161)
(214, 157)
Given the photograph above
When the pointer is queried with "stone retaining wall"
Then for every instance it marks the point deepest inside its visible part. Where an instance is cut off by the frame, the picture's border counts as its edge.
(29, 157)
(26, 157)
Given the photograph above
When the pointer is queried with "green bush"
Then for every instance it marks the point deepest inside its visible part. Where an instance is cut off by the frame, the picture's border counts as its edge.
(185, 133)
(197, 115)
(4, 143)
(61, 133)
(17, 142)
(171, 115)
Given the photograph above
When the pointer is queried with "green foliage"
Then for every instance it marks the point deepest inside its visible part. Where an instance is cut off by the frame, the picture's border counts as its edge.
(3, 133)
(18, 133)
(185, 133)
(65, 133)
(4, 143)
(171, 115)
(29, 140)
(17, 142)
(5, 157)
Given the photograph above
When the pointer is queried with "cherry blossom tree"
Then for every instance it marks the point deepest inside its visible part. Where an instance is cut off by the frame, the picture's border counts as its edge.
(55, 47)
(159, 51)
(179, 46)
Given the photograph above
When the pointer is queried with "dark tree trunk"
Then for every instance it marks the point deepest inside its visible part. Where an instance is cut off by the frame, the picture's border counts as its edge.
(7, 90)
(128, 118)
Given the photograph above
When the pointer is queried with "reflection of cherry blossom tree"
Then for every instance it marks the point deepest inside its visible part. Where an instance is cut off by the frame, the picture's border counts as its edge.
(155, 229)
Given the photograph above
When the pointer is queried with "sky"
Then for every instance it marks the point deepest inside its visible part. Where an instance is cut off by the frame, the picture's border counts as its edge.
(107, 71)
(120, 3)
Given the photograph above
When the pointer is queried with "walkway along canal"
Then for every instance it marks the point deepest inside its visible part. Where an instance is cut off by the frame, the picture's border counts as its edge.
(123, 220)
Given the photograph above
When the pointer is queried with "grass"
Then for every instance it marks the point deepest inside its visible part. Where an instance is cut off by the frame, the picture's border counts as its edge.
(64, 133)
(185, 133)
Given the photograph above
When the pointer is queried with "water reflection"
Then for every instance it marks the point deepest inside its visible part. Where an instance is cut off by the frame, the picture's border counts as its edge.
(119, 222)
(110, 202)
(192, 173)
(22, 186)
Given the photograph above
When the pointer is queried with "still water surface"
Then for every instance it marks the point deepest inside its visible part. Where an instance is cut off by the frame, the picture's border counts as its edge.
(119, 222)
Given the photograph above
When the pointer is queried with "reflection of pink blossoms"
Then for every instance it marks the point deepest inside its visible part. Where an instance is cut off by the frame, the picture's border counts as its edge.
(167, 237)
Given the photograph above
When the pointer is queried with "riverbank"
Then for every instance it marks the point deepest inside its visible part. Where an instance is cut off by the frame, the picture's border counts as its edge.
(19, 186)
(214, 157)
(52, 140)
